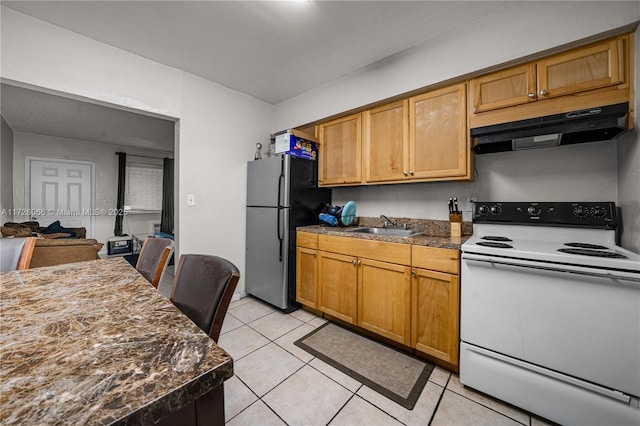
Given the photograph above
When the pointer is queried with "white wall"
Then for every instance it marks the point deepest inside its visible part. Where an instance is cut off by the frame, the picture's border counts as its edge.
(586, 172)
(518, 30)
(218, 127)
(6, 172)
(629, 173)
(106, 170)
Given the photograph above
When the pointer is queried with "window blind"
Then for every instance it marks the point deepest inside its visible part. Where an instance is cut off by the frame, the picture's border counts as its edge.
(143, 187)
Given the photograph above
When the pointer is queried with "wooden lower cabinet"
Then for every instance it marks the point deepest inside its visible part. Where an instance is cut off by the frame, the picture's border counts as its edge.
(435, 313)
(338, 283)
(384, 299)
(307, 277)
(407, 294)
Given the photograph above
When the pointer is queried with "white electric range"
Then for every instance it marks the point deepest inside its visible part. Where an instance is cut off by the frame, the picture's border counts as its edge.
(550, 311)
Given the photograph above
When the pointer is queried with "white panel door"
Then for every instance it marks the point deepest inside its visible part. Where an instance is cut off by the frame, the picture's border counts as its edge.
(61, 190)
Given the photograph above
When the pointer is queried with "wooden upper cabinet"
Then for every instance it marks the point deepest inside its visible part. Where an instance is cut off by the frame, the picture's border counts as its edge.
(340, 156)
(513, 86)
(438, 137)
(386, 133)
(588, 68)
(579, 70)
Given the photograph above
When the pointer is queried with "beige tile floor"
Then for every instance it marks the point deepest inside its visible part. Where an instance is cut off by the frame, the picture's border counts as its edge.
(277, 383)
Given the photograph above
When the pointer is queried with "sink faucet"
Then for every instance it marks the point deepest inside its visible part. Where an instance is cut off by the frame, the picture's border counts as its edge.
(388, 221)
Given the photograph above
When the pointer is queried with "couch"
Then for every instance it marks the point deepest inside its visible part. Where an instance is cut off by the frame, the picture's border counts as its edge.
(55, 248)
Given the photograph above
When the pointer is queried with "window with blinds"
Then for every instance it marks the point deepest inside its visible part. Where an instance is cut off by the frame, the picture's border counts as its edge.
(143, 187)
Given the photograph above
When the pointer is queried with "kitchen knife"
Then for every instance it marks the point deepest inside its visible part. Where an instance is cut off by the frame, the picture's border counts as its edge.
(450, 205)
(455, 205)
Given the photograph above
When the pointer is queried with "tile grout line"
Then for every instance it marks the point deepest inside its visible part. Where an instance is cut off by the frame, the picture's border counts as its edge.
(435, 409)
(353, 393)
(486, 406)
(260, 398)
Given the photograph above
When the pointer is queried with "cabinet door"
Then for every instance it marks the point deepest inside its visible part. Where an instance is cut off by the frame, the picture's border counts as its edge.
(513, 86)
(592, 67)
(384, 299)
(340, 154)
(338, 285)
(438, 137)
(306, 277)
(386, 149)
(435, 310)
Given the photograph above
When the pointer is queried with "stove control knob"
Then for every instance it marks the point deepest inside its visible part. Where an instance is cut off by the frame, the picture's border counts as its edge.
(598, 211)
(533, 210)
(580, 211)
(496, 210)
(483, 209)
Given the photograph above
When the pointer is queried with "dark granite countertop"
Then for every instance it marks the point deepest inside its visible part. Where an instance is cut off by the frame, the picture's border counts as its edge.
(94, 343)
(435, 233)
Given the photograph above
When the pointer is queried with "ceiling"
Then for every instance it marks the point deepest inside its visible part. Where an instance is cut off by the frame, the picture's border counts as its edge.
(271, 50)
(45, 114)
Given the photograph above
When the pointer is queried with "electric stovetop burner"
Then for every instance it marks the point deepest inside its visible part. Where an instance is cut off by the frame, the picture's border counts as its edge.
(595, 253)
(494, 244)
(586, 246)
(494, 238)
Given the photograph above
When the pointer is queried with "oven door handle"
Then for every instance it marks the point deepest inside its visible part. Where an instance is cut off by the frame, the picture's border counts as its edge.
(571, 269)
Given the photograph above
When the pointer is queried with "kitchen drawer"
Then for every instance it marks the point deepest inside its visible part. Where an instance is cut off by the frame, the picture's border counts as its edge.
(307, 239)
(367, 249)
(436, 259)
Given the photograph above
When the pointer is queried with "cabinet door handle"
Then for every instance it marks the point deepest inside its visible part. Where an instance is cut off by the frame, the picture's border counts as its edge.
(405, 173)
(411, 172)
(413, 273)
(544, 92)
(532, 95)
(359, 263)
(353, 262)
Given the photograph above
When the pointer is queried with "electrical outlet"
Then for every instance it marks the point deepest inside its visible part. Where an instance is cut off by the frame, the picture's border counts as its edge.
(468, 205)
(191, 200)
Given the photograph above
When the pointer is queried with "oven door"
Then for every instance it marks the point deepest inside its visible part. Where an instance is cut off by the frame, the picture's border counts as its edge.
(578, 321)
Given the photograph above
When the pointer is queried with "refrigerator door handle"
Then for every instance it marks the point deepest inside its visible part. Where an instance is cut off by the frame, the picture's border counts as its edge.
(280, 228)
(280, 232)
(280, 180)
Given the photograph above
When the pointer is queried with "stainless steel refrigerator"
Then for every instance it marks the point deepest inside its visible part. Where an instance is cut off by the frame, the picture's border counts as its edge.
(282, 194)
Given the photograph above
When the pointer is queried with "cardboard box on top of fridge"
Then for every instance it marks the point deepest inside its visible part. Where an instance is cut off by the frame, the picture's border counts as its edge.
(297, 144)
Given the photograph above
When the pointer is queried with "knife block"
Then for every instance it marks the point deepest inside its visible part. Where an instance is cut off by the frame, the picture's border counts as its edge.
(455, 221)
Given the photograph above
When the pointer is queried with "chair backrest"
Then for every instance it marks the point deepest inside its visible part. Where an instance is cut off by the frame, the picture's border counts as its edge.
(15, 253)
(202, 290)
(153, 259)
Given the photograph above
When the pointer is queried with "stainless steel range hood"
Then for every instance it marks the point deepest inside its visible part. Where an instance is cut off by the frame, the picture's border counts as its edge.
(588, 125)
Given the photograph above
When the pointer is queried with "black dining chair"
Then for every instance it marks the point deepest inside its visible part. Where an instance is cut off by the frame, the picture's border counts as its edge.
(202, 290)
(153, 258)
(16, 253)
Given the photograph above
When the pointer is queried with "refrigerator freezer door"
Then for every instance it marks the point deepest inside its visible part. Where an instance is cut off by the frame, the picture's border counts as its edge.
(307, 200)
(267, 259)
(266, 182)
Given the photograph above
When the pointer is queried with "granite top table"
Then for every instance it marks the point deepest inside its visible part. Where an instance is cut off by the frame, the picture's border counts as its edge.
(94, 343)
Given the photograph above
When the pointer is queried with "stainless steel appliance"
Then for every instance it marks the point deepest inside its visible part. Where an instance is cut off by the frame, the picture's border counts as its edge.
(282, 194)
(550, 311)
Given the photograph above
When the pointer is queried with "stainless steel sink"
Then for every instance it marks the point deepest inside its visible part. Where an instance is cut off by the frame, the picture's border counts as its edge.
(387, 232)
